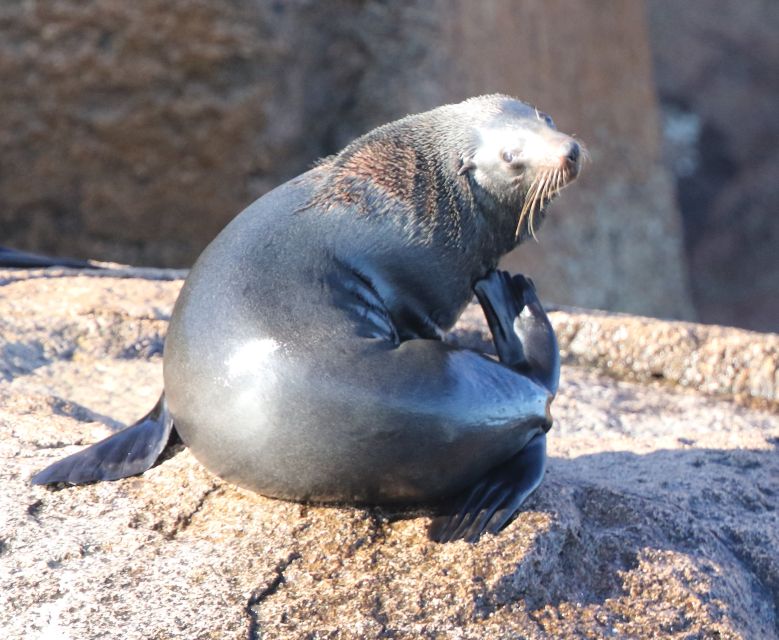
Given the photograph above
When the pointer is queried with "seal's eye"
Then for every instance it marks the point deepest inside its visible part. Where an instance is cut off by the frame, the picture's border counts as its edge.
(548, 120)
(508, 157)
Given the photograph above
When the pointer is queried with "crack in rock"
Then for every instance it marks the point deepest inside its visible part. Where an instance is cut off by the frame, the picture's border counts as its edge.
(183, 520)
(259, 595)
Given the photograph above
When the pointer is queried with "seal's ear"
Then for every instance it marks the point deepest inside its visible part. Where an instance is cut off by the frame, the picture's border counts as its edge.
(466, 166)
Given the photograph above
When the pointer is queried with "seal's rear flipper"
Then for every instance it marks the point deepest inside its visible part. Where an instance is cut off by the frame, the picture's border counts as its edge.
(521, 331)
(23, 260)
(129, 452)
(496, 499)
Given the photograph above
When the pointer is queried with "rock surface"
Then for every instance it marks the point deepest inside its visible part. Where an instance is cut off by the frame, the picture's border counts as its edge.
(717, 70)
(658, 516)
(134, 131)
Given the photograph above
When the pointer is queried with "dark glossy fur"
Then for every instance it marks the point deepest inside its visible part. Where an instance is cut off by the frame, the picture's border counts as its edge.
(15, 259)
(304, 357)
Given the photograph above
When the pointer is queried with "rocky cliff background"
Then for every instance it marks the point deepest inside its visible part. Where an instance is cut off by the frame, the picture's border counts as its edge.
(134, 131)
(717, 72)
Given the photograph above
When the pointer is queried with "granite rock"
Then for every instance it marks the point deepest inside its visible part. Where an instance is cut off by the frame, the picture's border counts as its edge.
(657, 518)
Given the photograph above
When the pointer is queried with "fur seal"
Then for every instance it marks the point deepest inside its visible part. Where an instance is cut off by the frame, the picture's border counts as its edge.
(304, 358)
(16, 259)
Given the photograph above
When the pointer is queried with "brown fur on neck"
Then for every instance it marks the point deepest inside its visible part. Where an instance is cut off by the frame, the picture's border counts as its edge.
(407, 171)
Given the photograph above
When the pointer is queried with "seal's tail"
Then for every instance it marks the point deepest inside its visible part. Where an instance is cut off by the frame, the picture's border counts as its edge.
(126, 453)
(23, 260)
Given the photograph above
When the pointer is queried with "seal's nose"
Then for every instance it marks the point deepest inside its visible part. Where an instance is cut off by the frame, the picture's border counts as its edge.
(570, 154)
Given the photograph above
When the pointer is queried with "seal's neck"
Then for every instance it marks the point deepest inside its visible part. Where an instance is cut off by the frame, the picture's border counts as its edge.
(408, 172)
(500, 219)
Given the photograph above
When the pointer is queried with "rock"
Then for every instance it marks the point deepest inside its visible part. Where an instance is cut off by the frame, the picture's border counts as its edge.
(134, 131)
(714, 360)
(658, 516)
(717, 70)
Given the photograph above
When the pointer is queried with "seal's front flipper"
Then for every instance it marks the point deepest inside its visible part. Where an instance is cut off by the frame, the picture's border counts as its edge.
(126, 453)
(23, 260)
(496, 499)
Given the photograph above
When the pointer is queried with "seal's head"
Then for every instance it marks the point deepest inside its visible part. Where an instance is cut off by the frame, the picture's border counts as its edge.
(443, 173)
(519, 161)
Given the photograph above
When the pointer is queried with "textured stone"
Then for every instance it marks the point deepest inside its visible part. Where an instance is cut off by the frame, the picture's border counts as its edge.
(658, 516)
(134, 131)
(717, 70)
(743, 365)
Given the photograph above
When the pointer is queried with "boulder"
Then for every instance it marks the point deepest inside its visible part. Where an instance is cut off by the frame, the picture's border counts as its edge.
(657, 518)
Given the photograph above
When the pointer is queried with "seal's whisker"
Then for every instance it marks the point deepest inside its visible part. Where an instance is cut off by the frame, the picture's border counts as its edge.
(584, 152)
(537, 195)
(552, 186)
(549, 192)
(533, 208)
(526, 205)
(522, 213)
(538, 199)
